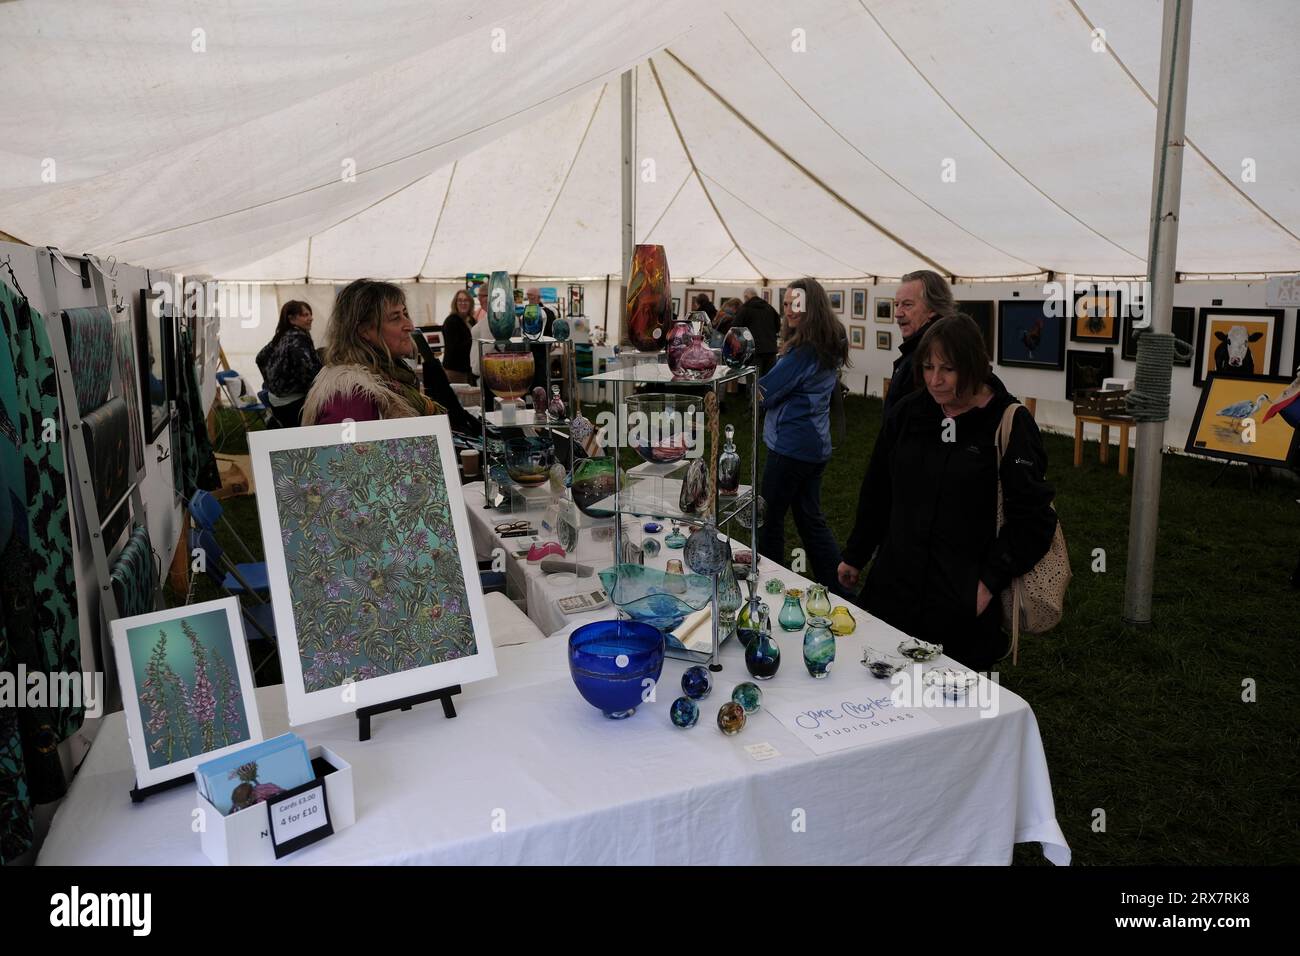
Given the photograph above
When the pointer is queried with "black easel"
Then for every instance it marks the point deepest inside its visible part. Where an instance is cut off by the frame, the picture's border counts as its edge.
(138, 793)
(406, 703)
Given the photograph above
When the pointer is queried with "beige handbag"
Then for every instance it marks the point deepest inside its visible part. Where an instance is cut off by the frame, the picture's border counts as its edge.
(1035, 601)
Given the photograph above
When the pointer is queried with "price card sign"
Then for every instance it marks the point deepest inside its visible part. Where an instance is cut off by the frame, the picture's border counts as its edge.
(299, 818)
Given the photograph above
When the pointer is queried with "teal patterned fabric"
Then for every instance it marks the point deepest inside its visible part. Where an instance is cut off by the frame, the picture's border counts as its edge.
(374, 573)
(38, 600)
(133, 577)
(194, 464)
(90, 350)
(124, 350)
(108, 439)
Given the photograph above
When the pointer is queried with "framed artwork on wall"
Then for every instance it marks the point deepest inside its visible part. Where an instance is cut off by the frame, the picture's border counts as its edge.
(885, 311)
(149, 354)
(1237, 343)
(1029, 336)
(187, 688)
(1084, 369)
(677, 308)
(1096, 317)
(837, 301)
(1183, 326)
(857, 336)
(1219, 428)
(766, 293)
(884, 340)
(691, 293)
(859, 303)
(373, 572)
(981, 312)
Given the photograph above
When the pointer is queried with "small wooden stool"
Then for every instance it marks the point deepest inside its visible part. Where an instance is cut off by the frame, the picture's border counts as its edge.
(1122, 421)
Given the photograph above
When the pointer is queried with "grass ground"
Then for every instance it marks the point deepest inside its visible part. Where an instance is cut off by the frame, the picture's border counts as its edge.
(1147, 724)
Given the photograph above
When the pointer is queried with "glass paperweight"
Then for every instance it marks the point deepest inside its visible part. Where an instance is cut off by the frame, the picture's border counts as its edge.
(652, 527)
(818, 647)
(684, 713)
(610, 661)
(791, 617)
(560, 330)
(842, 621)
(675, 539)
(650, 547)
(731, 718)
(762, 654)
(818, 603)
(729, 465)
(775, 586)
(696, 683)
(749, 696)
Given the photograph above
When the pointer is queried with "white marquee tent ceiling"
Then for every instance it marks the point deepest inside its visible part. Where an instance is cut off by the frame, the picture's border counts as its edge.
(756, 157)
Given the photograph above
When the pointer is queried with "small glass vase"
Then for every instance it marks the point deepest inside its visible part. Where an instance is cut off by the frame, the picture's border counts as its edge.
(791, 617)
(819, 602)
(533, 323)
(842, 621)
(729, 468)
(763, 655)
(697, 362)
(818, 647)
(679, 340)
(729, 598)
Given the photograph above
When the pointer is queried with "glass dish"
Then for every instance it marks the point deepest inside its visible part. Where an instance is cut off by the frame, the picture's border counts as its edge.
(919, 650)
(953, 683)
(655, 597)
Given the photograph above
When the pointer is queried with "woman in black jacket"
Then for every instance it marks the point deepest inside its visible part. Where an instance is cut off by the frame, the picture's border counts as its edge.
(456, 337)
(289, 364)
(929, 502)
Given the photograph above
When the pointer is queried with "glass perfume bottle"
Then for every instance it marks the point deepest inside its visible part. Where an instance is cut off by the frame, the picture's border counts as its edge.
(763, 655)
(729, 465)
(819, 602)
(675, 539)
(556, 409)
(791, 617)
(818, 647)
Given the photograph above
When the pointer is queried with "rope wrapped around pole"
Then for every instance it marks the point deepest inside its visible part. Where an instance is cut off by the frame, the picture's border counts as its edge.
(1149, 400)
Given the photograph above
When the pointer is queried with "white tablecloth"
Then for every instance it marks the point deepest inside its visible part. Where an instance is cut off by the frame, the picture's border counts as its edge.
(530, 773)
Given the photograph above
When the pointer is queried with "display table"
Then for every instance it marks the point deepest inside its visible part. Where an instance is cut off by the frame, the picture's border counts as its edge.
(1122, 422)
(530, 773)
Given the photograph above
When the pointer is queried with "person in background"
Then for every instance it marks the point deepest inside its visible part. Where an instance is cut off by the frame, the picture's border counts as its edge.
(366, 376)
(764, 325)
(928, 506)
(702, 303)
(456, 337)
(796, 396)
(541, 353)
(726, 317)
(481, 330)
(289, 364)
(922, 297)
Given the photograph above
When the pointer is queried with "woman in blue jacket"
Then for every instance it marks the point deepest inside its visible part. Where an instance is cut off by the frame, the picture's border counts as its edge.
(796, 397)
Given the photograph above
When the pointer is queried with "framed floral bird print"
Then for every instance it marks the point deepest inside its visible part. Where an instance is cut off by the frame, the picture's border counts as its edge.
(373, 573)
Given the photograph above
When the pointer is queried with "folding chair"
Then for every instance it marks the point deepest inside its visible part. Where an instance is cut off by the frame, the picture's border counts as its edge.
(206, 511)
(222, 572)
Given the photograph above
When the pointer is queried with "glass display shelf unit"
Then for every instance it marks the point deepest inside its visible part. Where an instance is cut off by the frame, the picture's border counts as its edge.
(658, 373)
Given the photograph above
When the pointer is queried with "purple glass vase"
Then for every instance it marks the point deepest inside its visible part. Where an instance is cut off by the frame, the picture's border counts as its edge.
(697, 362)
(679, 340)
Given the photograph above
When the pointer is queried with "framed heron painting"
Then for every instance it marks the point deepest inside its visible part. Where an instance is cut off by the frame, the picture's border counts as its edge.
(1230, 421)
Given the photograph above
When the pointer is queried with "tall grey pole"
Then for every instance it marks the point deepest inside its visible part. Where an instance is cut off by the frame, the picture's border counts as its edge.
(1166, 190)
(629, 198)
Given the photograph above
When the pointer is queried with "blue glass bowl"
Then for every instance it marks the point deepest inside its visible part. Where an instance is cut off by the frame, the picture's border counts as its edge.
(611, 662)
(655, 597)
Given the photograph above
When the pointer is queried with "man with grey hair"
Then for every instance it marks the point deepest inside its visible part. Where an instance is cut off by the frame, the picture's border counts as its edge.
(922, 296)
(541, 353)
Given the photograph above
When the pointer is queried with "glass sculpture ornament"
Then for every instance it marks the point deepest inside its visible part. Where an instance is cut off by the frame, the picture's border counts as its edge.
(649, 298)
(749, 696)
(791, 617)
(729, 598)
(731, 718)
(684, 713)
(559, 476)
(642, 593)
(560, 330)
(818, 603)
(533, 323)
(661, 426)
(696, 683)
(593, 482)
(818, 647)
(729, 465)
(737, 347)
(556, 410)
(650, 547)
(744, 515)
(529, 460)
(694, 487)
(705, 552)
(675, 539)
(508, 374)
(611, 661)
(539, 401)
(501, 306)
(842, 621)
(697, 362)
(581, 429)
(679, 340)
(762, 655)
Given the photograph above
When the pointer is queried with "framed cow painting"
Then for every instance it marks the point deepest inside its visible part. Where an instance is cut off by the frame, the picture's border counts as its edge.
(1238, 343)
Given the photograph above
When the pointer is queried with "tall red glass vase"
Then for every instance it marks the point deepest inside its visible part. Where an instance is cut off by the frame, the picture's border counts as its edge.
(649, 299)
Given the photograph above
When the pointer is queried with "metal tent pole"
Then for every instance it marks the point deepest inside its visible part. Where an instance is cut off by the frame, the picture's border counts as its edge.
(1166, 189)
(629, 199)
